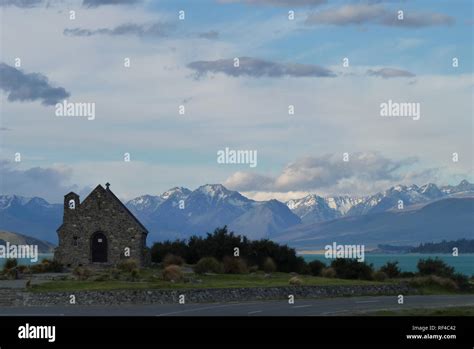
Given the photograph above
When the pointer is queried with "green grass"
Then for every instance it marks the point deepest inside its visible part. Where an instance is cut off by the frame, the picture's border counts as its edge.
(448, 311)
(151, 281)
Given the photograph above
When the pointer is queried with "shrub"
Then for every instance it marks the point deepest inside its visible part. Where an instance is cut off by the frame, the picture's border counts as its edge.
(352, 269)
(379, 276)
(407, 274)
(114, 273)
(296, 281)
(172, 273)
(82, 273)
(391, 269)
(160, 250)
(234, 265)
(269, 266)
(172, 259)
(434, 266)
(434, 280)
(134, 275)
(316, 267)
(23, 268)
(328, 273)
(127, 265)
(46, 266)
(208, 265)
(253, 269)
(10, 263)
(13, 273)
(462, 281)
(222, 242)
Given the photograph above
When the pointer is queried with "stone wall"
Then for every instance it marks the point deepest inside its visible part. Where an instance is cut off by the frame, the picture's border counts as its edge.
(118, 297)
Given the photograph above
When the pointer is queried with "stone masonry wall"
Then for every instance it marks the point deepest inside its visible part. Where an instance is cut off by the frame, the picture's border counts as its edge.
(118, 297)
(99, 212)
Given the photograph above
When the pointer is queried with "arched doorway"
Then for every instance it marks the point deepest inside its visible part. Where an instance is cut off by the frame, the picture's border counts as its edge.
(99, 247)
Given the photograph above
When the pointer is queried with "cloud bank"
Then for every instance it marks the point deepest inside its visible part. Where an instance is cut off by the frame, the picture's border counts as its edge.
(29, 87)
(257, 68)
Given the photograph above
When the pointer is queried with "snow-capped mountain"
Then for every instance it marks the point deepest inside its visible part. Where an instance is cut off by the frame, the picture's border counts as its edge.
(33, 216)
(463, 187)
(264, 220)
(313, 208)
(449, 218)
(180, 212)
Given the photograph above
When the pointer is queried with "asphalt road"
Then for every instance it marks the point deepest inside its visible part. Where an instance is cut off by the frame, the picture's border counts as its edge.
(319, 307)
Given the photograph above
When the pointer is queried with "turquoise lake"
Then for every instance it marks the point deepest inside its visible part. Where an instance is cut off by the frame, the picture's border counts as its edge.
(464, 263)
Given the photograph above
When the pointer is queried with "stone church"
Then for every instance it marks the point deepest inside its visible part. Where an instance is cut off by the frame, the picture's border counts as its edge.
(99, 231)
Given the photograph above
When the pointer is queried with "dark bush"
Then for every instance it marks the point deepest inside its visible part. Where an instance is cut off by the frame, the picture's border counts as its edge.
(462, 281)
(407, 274)
(269, 266)
(172, 259)
(208, 265)
(160, 250)
(172, 273)
(352, 269)
(10, 263)
(391, 269)
(234, 265)
(127, 265)
(434, 266)
(46, 266)
(82, 273)
(379, 276)
(222, 243)
(316, 267)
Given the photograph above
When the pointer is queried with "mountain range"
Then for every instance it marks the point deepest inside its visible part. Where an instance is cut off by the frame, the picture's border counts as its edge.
(306, 222)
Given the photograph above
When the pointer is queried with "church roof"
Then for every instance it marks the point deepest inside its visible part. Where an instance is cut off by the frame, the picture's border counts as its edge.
(112, 195)
(125, 208)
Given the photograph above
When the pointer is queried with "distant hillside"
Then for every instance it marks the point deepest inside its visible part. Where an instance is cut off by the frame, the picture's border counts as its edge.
(20, 239)
(32, 216)
(443, 219)
(463, 246)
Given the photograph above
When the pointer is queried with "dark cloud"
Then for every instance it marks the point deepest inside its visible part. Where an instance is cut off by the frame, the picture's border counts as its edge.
(326, 173)
(140, 30)
(346, 15)
(254, 67)
(20, 3)
(357, 14)
(29, 87)
(388, 73)
(211, 35)
(278, 2)
(48, 183)
(417, 20)
(96, 3)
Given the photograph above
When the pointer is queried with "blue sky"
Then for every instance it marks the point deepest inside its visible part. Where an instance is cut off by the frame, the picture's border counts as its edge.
(188, 62)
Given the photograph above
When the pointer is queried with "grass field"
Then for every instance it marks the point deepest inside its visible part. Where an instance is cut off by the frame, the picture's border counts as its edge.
(152, 280)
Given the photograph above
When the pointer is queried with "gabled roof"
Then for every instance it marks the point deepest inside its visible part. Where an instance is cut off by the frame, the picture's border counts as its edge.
(112, 195)
(125, 208)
